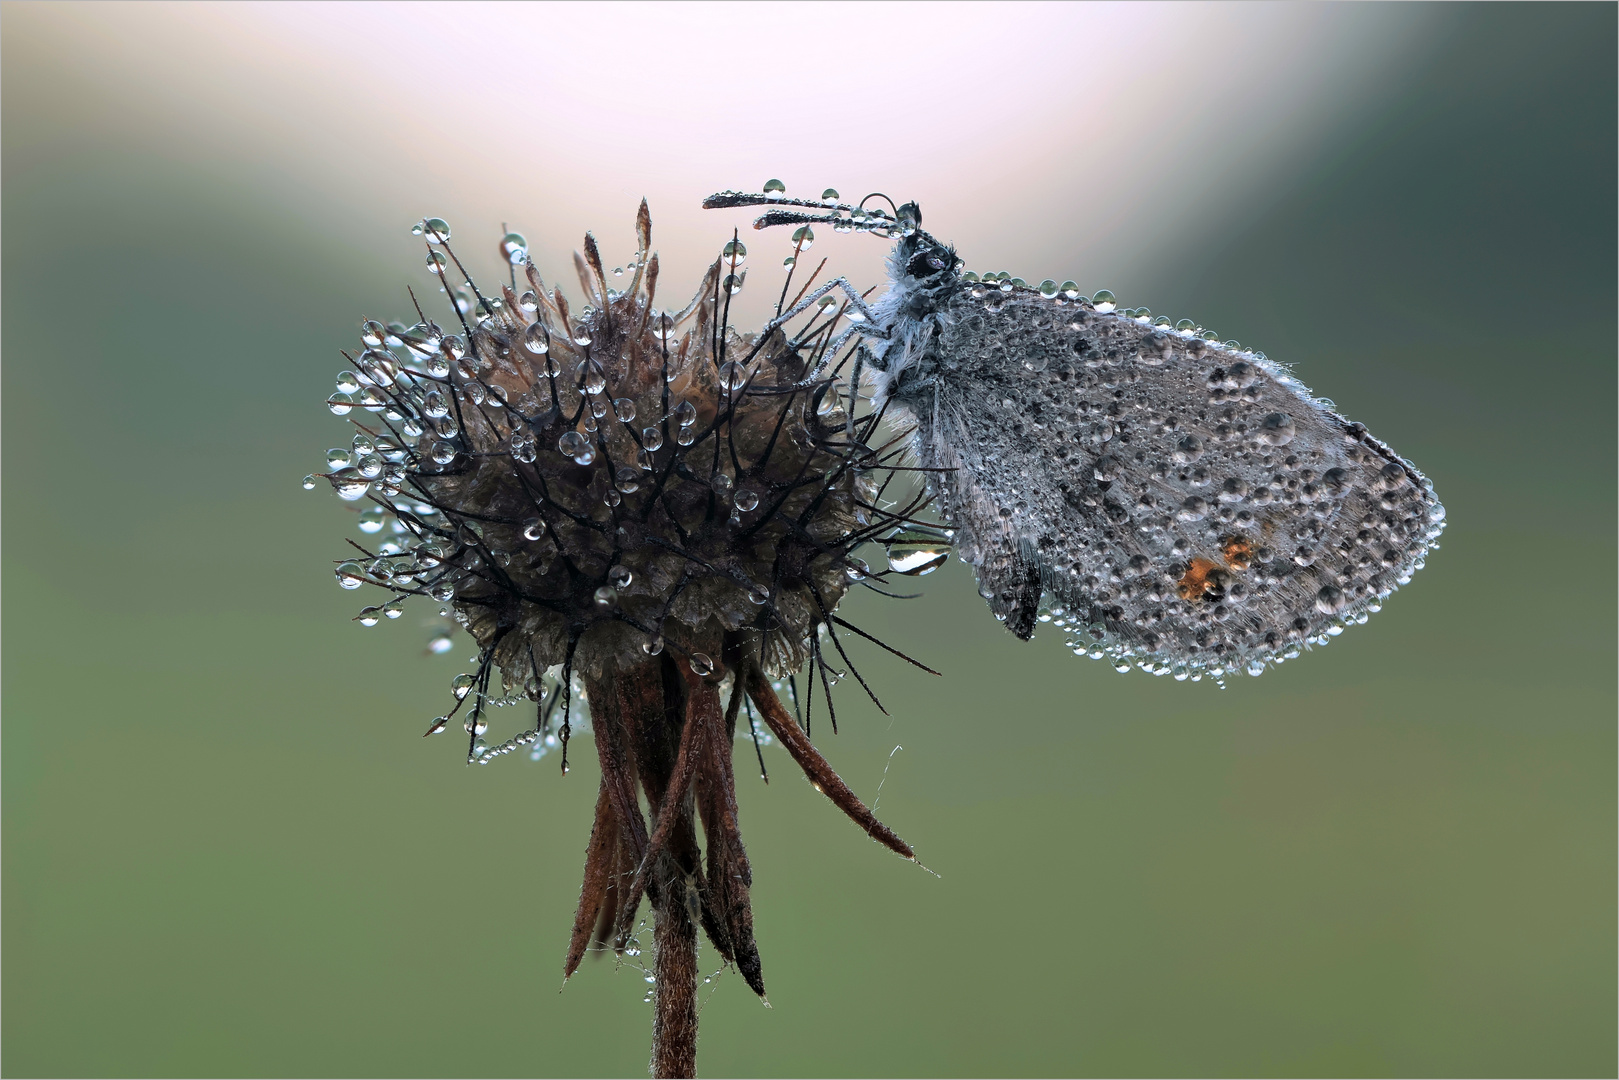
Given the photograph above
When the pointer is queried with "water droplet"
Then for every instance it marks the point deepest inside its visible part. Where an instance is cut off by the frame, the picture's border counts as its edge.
(592, 377)
(340, 404)
(653, 645)
(701, 664)
(916, 560)
(1330, 600)
(1277, 429)
(436, 229)
(758, 595)
(373, 519)
(803, 237)
(436, 262)
(1048, 288)
(606, 596)
(309, 482)
(829, 195)
(775, 189)
(576, 446)
(624, 409)
(1104, 301)
(746, 500)
(439, 644)
(652, 438)
(619, 577)
(350, 575)
(537, 339)
(515, 248)
(685, 414)
(349, 484)
(581, 334)
(628, 479)
(735, 253)
(733, 375)
(461, 685)
(369, 616)
(733, 282)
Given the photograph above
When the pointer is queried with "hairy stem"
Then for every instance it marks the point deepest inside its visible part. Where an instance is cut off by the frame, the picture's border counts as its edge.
(652, 723)
(674, 1026)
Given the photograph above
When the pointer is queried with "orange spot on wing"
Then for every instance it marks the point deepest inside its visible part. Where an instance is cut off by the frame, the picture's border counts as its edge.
(1238, 553)
(1195, 582)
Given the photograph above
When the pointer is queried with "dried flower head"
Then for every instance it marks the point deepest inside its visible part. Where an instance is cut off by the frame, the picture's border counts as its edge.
(647, 504)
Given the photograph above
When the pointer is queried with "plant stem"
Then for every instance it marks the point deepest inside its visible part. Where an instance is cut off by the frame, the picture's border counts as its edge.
(642, 735)
(674, 1027)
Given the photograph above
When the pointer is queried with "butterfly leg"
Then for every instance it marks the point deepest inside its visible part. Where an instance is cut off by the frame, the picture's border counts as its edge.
(803, 305)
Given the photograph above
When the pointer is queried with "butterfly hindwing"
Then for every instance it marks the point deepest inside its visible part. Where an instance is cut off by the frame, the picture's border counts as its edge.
(1181, 499)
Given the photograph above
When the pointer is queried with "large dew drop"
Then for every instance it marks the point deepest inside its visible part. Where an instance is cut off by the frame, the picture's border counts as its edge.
(515, 248)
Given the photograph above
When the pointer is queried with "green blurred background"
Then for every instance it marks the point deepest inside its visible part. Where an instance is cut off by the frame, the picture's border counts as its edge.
(226, 849)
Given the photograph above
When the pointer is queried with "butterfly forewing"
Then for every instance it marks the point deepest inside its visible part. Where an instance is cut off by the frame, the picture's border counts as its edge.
(1186, 503)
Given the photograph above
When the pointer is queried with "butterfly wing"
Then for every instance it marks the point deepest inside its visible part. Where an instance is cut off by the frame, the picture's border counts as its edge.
(1184, 502)
(973, 488)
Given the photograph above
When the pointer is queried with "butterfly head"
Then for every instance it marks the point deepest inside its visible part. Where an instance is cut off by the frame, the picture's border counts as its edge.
(924, 274)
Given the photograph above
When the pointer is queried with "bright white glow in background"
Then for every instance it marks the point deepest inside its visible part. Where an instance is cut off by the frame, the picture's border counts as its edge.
(1051, 140)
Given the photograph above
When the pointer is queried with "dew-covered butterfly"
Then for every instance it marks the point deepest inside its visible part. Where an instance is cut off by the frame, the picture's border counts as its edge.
(1178, 503)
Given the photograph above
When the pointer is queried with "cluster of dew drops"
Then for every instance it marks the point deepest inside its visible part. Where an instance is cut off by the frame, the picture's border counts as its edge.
(1088, 639)
(377, 464)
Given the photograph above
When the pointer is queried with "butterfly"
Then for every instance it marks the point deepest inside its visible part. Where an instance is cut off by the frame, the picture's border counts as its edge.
(1181, 504)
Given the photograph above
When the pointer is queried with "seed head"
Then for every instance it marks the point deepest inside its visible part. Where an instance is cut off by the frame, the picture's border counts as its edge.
(589, 487)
